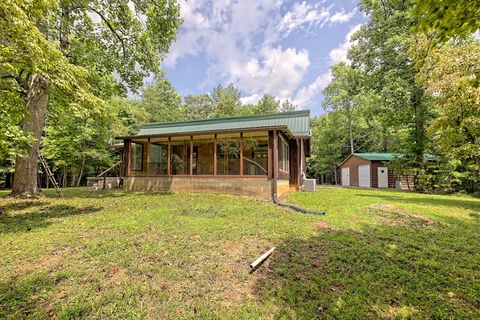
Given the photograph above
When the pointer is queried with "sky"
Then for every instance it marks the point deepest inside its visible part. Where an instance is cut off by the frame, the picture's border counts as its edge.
(283, 48)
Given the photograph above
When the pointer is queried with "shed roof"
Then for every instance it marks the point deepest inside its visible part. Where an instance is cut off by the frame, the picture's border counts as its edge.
(297, 123)
(378, 156)
(373, 156)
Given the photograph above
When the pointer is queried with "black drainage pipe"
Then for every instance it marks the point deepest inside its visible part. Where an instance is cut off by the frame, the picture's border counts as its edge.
(296, 208)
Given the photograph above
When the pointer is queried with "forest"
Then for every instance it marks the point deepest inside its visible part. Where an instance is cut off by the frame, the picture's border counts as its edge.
(72, 79)
(411, 86)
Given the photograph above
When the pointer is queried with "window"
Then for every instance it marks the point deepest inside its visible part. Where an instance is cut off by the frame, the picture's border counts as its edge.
(283, 154)
(203, 157)
(228, 156)
(158, 159)
(179, 158)
(137, 156)
(255, 157)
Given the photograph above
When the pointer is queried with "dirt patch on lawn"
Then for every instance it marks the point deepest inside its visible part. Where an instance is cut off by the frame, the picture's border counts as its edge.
(392, 215)
(233, 283)
(323, 226)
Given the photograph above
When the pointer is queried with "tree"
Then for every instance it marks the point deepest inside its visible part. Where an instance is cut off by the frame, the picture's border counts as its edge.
(77, 143)
(129, 116)
(448, 19)
(226, 101)
(382, 51)
(268, 104)
(330, 145)
(287, 106)
(162, 102)
(50, 45)
(341, 94)
(30, 66)
(199, 106)
(451, 76)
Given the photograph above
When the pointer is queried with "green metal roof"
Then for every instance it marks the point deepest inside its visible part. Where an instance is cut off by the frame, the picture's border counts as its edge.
(297, 122)
(378, 156)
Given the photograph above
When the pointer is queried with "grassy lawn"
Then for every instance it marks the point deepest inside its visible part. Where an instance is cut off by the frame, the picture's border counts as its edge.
(375, 254)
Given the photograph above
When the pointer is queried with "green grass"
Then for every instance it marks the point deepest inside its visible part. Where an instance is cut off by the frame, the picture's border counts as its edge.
(375, 254)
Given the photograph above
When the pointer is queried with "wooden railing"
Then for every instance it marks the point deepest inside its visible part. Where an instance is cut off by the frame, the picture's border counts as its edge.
(104, 173)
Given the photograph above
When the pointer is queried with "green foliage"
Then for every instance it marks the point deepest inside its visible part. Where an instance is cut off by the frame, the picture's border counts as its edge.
(451, 76)
(129, 116)
(77, 142)
(162, 102)
(198, 107)
(268, 104)
(448, 19)
(227, 101)
(24, 50)
(382, 52)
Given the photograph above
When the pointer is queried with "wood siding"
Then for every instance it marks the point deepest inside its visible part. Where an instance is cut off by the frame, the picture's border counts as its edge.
(374, 172)
(353, 163)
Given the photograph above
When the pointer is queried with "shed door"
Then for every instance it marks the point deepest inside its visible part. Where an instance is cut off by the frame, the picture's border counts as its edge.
(346, 177)
(364, 176)
(382, 177)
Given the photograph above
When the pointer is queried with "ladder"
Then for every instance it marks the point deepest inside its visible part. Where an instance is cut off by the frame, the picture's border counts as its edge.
(49, 174)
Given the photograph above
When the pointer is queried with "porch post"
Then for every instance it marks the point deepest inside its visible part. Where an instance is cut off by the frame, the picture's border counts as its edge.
(184, 157)
(270, 155)
(148, 157)
(299, 160)
(275, 164)
(241, 153)
(275, 154)
(302, 155)
(129, 158)
(169, 171)
(191, 155)
(215, 155)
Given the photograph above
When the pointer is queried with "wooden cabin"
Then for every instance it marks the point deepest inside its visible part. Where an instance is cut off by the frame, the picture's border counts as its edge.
(253, 155)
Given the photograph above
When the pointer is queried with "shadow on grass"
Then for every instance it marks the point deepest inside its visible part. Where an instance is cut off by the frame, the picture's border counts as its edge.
(428, 200)
(386, 271)
(84, 193)
(41, 217)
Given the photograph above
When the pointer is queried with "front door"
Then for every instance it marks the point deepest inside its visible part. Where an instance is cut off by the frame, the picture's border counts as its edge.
(382, 177)
(346, 177)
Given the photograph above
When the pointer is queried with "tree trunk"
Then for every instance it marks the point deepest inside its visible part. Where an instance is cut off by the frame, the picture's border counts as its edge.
(64, 177)
(418, 108)
(74, 176)
(349, 116)
(25, 177)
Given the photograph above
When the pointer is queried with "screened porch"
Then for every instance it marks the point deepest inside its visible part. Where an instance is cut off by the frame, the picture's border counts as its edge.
(243, 154)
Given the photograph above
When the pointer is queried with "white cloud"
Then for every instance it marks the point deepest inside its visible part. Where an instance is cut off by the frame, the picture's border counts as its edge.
(342, 16)
(240, 41)
(254, 98)
(339, 53)
(276, 71)
(306, 94)
(304, 16)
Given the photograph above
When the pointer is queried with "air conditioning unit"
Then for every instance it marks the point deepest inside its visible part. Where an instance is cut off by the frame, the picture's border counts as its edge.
(309, 185)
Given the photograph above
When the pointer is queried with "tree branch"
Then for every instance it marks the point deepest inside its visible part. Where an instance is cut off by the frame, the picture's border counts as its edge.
(121, 39)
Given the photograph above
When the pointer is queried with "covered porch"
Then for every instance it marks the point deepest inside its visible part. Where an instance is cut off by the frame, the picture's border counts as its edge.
(252, 161)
